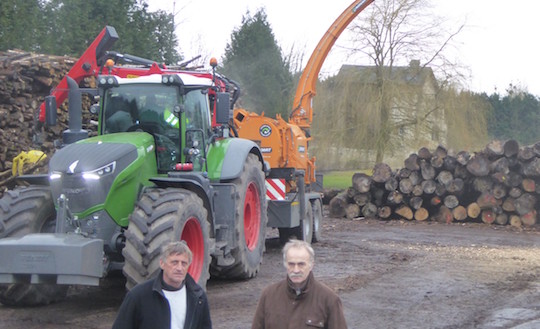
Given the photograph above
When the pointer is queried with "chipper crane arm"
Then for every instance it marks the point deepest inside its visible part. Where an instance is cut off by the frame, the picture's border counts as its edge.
(302, 112)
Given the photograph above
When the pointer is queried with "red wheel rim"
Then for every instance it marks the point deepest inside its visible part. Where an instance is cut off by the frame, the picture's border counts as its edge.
(192, 235)
(252, 216)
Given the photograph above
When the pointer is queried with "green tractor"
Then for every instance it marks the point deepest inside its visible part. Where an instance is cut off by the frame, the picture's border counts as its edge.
(162, 167)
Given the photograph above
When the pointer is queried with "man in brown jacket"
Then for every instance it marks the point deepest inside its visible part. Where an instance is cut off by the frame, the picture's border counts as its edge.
(299, 301)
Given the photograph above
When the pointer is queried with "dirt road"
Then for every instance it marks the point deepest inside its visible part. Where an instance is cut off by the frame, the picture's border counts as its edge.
(389, 275)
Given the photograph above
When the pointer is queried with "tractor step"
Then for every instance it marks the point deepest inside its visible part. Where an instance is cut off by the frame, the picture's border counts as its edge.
(51, 258)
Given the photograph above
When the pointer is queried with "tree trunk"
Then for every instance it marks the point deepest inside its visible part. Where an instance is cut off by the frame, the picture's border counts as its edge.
(459, 213)
(515, 220)
(525, 203)
(416, 202)
(529, 219)
(478, 165)
(421, 214)
(451, 201)
(352, 211)
(361, 182)
(428, 186)
(362, 199)
(384, 212)
(445, 177)
(501, 219)
(488, 216)
(511, 148)
(369, 210)
(411, 163)
(395, 198)
(338, 204)
(405, 212)
(528, 185)
(444, 215)
(405, 186)
(473, 210)
(381, 172)
(428, 172)
(486, 200)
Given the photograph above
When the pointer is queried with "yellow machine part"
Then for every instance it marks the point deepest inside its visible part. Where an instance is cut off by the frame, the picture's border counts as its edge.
(283, 145)
(30, 157)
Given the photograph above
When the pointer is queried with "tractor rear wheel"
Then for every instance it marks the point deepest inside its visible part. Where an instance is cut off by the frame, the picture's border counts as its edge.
(317, 219)
(23, 211)
(161, 216)
(250, 223)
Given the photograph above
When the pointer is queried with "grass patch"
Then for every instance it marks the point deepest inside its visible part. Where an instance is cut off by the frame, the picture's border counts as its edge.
(339, 179)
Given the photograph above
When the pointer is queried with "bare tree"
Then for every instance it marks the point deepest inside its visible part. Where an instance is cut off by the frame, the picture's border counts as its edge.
(397, 32)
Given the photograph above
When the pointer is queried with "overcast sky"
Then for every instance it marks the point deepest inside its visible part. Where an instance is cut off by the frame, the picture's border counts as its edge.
(499, 44)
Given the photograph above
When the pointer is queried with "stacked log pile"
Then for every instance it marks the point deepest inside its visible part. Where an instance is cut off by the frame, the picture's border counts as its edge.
(25, 79)
(500, 184)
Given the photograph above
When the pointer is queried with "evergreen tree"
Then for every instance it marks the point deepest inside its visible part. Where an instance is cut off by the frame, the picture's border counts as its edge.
(254, 59)
(515, 116)
(19, 24)
(67, 27)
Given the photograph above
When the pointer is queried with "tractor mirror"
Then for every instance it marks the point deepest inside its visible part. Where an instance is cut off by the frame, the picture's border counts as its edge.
(222, 108)
(50, 110)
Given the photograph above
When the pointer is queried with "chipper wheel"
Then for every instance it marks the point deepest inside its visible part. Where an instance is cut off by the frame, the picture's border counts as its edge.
(160, 216)
(250, 223)
(23, 211)
(316, 206)
(303, 232)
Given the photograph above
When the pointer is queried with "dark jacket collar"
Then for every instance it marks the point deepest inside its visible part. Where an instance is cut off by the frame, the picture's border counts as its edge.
(191, 285)
(292, 291)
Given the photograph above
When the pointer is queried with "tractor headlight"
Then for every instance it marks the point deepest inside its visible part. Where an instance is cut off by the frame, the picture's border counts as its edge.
(100, 172)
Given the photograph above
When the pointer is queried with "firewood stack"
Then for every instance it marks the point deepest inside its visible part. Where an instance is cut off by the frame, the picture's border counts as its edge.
(499, 184)
(25, 79)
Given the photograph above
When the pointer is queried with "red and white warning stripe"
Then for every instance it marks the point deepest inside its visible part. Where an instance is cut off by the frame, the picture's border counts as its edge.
(275, 189)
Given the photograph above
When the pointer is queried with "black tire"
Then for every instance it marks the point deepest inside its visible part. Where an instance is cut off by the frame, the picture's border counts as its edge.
(160, 216)
(250, 223)
(316, 207)
(23, 211)
(302, 232)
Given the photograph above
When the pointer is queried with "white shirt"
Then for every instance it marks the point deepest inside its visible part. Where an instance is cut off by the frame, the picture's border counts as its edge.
(178, 305)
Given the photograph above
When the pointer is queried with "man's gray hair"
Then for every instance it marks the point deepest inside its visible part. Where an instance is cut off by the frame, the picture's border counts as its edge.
(298, 244)
(176, 248)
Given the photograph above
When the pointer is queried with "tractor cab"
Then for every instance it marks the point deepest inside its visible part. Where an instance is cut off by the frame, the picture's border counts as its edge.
(174, 109)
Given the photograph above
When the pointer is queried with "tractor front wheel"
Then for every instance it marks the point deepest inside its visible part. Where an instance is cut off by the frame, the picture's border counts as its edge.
(23, 211)
(161, 216)
(250, 223)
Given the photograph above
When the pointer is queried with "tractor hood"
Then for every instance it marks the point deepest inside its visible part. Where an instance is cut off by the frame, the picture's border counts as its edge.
(91, 158)
(87, 171)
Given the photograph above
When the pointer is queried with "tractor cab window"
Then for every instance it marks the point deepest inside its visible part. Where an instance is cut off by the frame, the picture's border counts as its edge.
(161, 111)
(197, 123)
(152, 108)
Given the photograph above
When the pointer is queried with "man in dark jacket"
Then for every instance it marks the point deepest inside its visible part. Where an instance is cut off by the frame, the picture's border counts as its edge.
(173, 300)
(299, 301)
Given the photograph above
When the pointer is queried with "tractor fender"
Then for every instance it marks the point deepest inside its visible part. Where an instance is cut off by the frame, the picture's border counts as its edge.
(235, 156)
(195, 183)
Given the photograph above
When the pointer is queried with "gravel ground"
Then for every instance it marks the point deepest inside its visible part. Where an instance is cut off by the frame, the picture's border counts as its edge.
(389, 274)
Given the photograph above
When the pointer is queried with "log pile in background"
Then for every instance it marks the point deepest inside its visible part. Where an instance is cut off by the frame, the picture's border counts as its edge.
(25, 79)
(500, 185)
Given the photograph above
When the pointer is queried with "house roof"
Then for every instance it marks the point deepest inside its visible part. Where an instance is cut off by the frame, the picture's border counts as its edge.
(412, 74)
